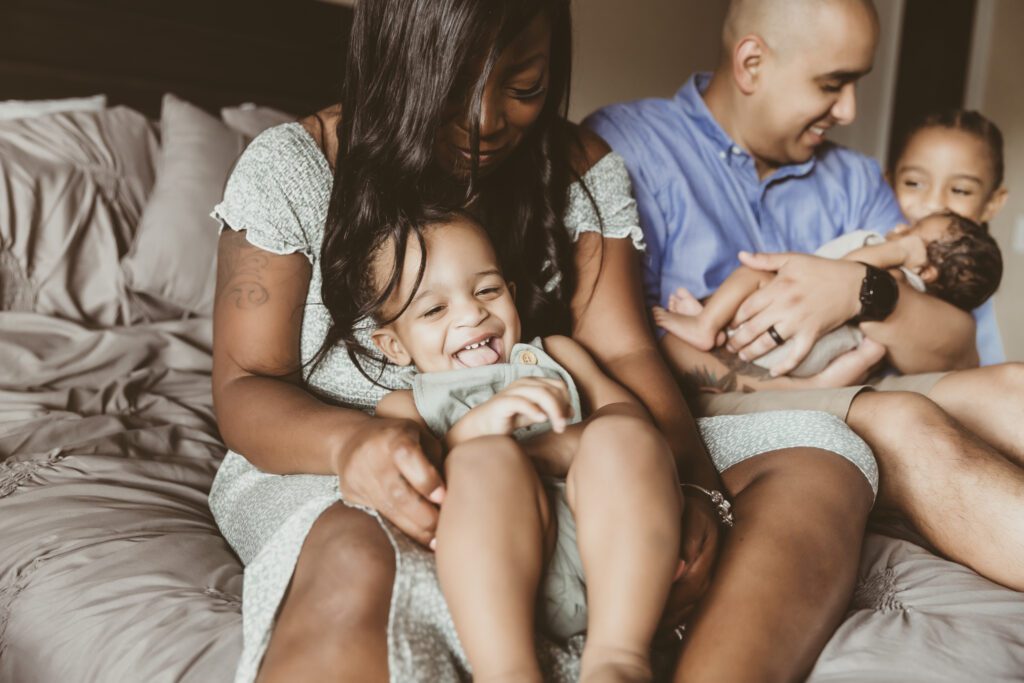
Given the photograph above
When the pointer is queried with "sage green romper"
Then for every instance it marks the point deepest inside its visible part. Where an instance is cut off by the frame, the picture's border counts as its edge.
(443, 398)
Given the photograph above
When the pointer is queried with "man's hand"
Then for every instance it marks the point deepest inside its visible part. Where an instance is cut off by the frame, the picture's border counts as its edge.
(808, 297)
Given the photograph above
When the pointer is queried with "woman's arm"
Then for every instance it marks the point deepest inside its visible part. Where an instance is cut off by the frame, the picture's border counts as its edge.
(612, 327)
(265, 413)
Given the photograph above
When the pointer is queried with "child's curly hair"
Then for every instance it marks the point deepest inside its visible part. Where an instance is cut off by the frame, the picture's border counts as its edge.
(968, 261)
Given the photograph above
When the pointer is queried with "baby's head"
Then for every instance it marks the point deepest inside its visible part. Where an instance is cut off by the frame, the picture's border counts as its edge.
(963, 265)
(950, 161)
(455, 310)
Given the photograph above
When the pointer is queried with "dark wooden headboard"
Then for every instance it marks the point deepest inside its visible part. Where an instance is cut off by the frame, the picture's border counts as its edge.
(287, 54)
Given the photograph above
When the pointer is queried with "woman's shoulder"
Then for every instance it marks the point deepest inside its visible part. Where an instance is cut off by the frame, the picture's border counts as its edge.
(322, 128)
(586, 148)
(281, 156)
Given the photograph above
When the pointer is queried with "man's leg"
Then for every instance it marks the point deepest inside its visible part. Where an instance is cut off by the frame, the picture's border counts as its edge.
(988, 401)
(964, 496)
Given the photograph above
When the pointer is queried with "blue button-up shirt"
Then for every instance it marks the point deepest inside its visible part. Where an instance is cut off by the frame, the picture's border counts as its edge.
(701, 201)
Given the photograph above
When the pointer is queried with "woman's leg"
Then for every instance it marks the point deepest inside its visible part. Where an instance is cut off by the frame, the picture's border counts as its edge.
(624, 495)
(334, 618)
(490, 553)
(786, 570)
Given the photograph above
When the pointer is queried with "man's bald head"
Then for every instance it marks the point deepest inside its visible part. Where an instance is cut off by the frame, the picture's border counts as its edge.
(789, 72)
(782, 24)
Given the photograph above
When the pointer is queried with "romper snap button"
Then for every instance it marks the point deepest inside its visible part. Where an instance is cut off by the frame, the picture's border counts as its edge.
(528, 358)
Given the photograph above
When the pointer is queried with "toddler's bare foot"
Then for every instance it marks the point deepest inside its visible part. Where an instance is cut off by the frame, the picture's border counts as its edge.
(681, 301)
(613, 665)
(686, 327)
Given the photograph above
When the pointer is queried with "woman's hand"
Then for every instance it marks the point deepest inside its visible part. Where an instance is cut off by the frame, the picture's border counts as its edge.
(525, 402)
(698, 549)
(383, 466)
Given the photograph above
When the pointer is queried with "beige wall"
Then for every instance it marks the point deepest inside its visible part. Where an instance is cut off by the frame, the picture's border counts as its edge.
(996, 88)
(626, 50)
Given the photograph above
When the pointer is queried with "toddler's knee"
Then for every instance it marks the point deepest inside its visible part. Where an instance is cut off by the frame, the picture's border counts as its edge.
(623, 441)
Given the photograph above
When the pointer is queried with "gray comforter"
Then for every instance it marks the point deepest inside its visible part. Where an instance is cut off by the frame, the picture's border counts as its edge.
(112, 569)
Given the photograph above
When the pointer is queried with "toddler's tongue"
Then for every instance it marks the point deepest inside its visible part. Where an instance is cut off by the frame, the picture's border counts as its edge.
(474, 358)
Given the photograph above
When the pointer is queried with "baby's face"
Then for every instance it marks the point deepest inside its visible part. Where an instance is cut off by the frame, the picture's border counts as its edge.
(462, 315)
(943, 168)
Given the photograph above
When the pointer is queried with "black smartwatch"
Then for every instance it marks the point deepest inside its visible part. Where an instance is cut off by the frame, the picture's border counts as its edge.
(879, 293)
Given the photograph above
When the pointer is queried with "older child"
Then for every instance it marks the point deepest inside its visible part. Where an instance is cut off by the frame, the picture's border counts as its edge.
(950, 161)
(504, 409)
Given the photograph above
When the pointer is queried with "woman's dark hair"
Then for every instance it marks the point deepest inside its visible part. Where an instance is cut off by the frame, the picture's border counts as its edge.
(407, 61)
(968, 262)
(965, 120)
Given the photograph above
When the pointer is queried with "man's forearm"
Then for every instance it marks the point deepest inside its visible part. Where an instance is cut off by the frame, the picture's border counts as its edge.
(925, 334)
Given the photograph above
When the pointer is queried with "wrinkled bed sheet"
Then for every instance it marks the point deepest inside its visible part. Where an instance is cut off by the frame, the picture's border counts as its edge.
(112, 569)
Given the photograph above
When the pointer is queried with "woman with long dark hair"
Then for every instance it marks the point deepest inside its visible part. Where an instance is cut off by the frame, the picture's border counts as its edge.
(461, 104)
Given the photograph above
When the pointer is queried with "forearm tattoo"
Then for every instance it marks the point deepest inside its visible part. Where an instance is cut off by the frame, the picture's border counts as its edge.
(711, 379)
(240, 269)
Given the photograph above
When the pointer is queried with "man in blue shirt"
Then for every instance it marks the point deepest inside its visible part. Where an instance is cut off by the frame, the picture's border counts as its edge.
(738, 161)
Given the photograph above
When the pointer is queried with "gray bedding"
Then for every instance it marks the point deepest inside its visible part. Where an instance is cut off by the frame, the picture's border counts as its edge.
(111, 567)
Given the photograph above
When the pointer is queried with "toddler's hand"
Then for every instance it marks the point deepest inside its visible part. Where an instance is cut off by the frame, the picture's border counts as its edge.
(525, 402)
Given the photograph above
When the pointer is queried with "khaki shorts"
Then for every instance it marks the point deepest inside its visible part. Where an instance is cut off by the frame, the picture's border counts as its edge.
(834, 401)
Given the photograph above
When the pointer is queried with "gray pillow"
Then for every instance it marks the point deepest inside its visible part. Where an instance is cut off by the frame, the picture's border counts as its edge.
(175, 246)
(20, 109)
(252, 119)
(72, 189)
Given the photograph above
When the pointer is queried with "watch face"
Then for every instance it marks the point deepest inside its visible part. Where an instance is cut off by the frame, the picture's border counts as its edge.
(878, 294)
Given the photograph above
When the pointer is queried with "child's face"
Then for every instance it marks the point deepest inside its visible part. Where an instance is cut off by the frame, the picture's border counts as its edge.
(463, 314)
(945, 168)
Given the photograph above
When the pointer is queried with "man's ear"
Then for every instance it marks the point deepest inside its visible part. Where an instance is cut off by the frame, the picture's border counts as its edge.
(747, 61)
(929, 274)
(512, 290)
(994, 204)
(387, 342)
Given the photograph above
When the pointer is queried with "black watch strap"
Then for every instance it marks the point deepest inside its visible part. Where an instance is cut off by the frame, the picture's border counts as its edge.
(879, 294)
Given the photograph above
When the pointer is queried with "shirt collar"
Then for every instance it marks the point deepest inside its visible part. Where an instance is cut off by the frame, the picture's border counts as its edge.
(691, 99)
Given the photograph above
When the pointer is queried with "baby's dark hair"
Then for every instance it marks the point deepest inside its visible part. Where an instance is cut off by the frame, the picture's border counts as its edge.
(968, 262)
(968, 121)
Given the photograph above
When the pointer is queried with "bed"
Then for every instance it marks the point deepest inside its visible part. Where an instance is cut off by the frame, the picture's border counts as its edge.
(111, 566)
